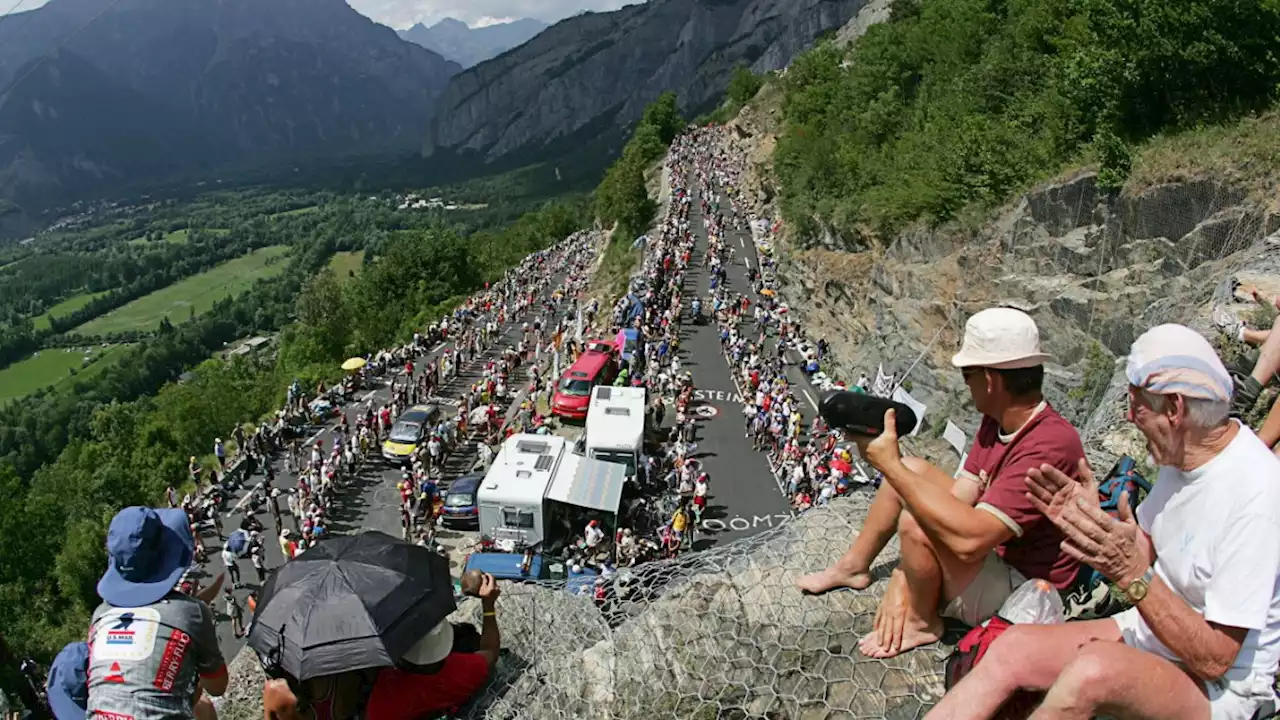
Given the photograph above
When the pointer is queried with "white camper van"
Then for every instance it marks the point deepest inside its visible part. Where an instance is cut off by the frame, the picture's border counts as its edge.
(615, 427)
(512, 492)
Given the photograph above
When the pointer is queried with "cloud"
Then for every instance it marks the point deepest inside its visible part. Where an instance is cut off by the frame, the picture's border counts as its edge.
(401, 14)
(19, 6)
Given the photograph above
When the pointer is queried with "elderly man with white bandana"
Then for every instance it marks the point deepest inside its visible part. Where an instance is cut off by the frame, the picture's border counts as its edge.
(1200, 564)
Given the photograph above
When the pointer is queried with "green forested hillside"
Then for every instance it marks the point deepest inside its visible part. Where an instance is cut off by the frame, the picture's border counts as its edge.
(69, 458)
(954, 103)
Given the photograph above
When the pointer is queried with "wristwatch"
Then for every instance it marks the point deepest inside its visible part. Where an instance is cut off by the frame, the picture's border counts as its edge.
(1137, 589)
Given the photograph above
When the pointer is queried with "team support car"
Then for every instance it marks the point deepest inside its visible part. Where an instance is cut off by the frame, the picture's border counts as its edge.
(594, 367)
(460, 506)
(408, 431)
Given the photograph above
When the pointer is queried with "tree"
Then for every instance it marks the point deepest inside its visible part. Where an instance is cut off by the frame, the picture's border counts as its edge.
(325, 314)
(744, 85)
(663, 114)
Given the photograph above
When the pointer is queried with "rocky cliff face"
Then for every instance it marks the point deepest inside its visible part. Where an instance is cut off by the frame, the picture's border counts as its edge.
(596, 72)
(152, 88)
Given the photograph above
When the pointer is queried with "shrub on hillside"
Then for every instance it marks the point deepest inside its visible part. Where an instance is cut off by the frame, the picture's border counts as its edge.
(957, 102)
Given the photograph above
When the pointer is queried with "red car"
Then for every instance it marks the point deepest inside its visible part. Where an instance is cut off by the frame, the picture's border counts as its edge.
(573, 392)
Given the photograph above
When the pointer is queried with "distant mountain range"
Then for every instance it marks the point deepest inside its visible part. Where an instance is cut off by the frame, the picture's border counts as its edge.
(590, 76)
(155, 89)
(469, 46)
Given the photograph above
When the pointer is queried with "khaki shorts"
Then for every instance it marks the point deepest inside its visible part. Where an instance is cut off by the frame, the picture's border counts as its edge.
(994, 583)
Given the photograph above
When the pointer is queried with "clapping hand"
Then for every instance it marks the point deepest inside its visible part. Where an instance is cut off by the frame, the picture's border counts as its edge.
(1052, 491)
(1107, 544)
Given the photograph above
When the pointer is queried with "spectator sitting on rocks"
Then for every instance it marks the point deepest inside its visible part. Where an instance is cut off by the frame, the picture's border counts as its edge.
(67, 686)
(443, 671)
(153, 649)
(967, 542)
(1253, 374)
(1200, 563)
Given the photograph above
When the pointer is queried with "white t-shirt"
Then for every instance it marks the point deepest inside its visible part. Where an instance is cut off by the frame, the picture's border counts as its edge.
(1216, 532)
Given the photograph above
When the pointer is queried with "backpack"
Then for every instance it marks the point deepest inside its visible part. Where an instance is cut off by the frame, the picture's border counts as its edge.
(969, 652)
(1124, 476)
(1090, 597)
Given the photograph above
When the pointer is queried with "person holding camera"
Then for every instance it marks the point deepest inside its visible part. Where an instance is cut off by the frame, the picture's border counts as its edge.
(967, 542)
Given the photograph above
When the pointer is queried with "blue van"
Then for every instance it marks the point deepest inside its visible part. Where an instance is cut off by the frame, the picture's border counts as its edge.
(632, 343)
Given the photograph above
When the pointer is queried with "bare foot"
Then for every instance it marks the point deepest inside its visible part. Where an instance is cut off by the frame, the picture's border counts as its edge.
(832, 578)
(915, 633)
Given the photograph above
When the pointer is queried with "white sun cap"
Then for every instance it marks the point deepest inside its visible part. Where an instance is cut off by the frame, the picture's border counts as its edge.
(1002, 339)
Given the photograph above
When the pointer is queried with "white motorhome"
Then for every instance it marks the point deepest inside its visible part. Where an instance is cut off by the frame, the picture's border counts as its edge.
(512, 492)
(539, 492)
(615, 426)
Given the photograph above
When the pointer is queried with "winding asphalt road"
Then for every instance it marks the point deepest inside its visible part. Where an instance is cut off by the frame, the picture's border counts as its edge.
(745, 498)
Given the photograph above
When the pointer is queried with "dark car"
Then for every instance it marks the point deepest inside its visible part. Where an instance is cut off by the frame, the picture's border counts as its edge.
(460, 506)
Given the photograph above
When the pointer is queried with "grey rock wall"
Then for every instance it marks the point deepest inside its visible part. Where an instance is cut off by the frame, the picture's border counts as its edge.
(598, 71)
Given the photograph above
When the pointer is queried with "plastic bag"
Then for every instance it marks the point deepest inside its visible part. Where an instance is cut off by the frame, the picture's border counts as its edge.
(1035, 602)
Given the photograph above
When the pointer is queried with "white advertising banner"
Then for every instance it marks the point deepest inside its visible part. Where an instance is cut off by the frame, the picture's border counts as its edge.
(905, 398)
(954, 435)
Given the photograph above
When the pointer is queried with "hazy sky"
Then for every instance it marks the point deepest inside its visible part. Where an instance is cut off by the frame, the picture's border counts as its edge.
(401, 14)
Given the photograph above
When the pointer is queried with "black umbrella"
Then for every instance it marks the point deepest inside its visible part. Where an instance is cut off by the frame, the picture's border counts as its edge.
(349, 603)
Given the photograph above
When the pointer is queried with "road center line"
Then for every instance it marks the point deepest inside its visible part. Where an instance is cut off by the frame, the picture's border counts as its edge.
(809, 397)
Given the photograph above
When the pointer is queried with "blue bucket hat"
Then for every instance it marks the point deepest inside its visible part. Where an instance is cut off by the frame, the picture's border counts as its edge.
(68, 683)
(147, 552)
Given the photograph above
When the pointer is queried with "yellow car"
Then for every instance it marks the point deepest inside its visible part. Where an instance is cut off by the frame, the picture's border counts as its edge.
(409, 430)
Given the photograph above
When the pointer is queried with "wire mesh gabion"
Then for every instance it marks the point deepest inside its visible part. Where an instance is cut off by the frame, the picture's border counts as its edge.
(722, 633)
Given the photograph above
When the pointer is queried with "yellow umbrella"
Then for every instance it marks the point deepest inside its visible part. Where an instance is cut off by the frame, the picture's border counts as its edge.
(767, 292)
(354, 363)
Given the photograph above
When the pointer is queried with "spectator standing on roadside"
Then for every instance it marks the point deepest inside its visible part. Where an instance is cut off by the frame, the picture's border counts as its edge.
(233, 568)
(234, 612)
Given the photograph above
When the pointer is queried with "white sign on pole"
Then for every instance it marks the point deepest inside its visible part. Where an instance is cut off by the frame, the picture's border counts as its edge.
(577, 333)
(905, 398)
(954, 435)
(883, 384)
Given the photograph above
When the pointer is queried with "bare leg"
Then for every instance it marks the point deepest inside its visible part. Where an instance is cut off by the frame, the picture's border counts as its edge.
(1268, 359)
(204, 709)
(853, 569)
(1269, 433)
(1027, 657)
(1115, 680)
(931, 575)
(1256, 337)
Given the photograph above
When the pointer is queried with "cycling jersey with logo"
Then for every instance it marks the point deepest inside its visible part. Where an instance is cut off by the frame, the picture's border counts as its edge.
(144, 661)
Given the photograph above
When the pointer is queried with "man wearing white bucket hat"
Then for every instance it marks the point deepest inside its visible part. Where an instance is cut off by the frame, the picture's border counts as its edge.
(967, 542)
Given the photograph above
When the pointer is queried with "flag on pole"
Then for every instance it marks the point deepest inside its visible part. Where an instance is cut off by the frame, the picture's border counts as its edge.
(954, 435)
(905, 398)
(883, 386)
